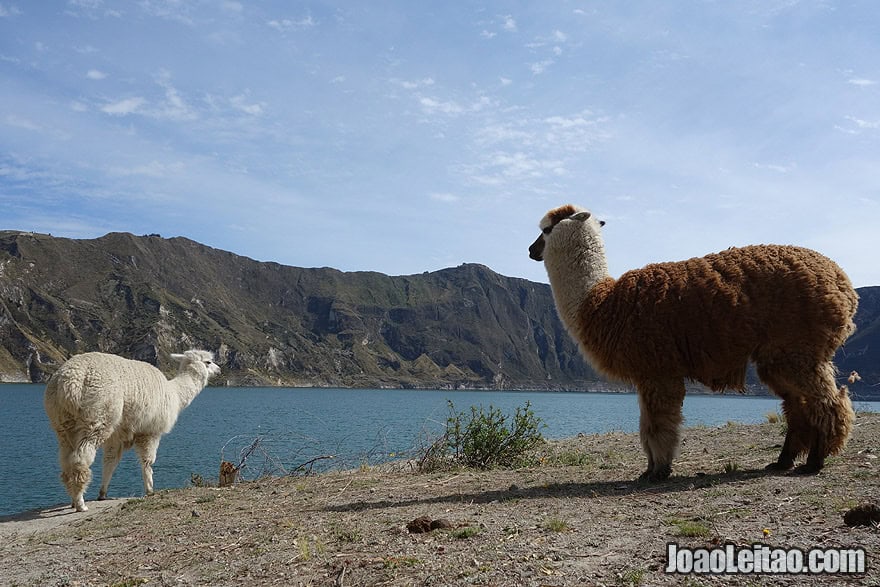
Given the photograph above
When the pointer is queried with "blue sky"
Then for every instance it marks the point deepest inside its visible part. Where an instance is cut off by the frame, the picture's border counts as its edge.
(403, 137)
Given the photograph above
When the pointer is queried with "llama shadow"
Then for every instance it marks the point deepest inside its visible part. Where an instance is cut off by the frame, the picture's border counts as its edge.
(568, 489)
(36, 514)
(40, 520)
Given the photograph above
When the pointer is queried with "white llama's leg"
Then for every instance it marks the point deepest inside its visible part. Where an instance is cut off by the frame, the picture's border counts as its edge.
(64, 452)
(112, 453)
(146, 447)
(78, 473)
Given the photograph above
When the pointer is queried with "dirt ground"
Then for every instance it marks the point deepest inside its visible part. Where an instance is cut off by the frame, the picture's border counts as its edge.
(577, 518)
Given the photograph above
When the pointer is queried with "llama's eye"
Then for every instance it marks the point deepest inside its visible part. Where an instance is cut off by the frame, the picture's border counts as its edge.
(547, 230)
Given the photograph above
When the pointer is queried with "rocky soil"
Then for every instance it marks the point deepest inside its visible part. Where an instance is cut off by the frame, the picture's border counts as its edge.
(577, 518)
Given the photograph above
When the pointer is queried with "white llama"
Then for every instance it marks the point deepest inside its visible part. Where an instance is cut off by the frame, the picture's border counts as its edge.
(98, 399)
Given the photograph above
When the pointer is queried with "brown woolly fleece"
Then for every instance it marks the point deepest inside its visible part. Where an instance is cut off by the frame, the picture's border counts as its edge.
(705, 318)
(785, 308)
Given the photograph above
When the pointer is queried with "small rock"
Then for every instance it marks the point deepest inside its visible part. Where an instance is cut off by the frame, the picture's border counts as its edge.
(419, 525)
(196, 514)
(862, 515)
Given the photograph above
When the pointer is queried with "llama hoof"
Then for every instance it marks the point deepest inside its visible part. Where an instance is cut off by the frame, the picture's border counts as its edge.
(656, 475)
(102, 496)
(807, 469)
(779, 466)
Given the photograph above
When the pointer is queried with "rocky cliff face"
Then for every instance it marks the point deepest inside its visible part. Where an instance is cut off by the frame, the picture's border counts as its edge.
(146, 297)
(861, 352)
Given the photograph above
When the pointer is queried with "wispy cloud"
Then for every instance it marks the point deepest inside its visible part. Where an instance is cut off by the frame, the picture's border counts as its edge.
(861, 82)
(864, 124)
(243, 103)
(90, 9)
(776, 167)
(413, 85)
(509, 24)
(123, 107)
(540, 67)
(86, 4)
(151, 169)
(7, 10)
(431, 106)
(22, 123)
(95, 74)
(287, 24)
(173, 107)
(451, 107)
(528, 151)
(503, 168)
(173, 10)
(444, 197)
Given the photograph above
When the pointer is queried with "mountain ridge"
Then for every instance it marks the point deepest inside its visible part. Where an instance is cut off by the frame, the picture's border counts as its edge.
(145, 297)
(271, 324)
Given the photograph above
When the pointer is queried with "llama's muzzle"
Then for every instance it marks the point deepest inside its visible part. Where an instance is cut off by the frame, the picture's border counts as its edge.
(536, 251)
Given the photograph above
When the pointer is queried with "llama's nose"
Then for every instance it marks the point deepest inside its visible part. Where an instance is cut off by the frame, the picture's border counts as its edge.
(536, 251)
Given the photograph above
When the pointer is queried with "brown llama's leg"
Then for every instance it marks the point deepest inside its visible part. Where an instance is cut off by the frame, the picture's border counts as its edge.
(660, 425)
(778, 376)
(797, 429)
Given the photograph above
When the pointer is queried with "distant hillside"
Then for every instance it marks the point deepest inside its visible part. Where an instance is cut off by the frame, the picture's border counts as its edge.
(862, 350)
(146, 297)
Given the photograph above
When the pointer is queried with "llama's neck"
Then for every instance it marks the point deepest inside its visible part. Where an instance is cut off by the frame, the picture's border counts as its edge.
(188, 384)
(574, 268)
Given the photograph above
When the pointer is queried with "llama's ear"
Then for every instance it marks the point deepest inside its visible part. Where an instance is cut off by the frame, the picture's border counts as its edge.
(580, 216)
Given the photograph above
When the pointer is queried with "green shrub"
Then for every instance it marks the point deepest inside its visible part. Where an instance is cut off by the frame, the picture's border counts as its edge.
(484, 440)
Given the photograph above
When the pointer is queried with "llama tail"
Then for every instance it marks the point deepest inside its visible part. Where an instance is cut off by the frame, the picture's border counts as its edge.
(841, 421)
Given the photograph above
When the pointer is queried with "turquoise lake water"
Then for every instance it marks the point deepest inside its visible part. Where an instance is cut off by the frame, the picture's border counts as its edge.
(356, 426)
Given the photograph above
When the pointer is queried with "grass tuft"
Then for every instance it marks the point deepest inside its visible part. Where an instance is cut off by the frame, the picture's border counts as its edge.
(465, 533)
(556, 525)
